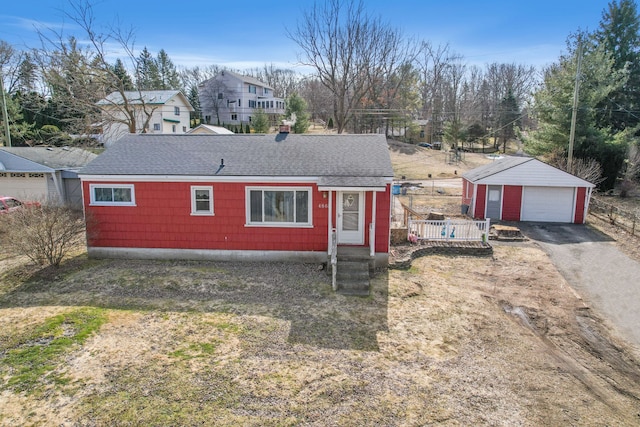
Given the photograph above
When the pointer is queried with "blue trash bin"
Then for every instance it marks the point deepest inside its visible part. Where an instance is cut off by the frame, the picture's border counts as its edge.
(395, 189)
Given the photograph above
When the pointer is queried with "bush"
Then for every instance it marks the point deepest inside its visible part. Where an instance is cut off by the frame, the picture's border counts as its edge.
(45, 234)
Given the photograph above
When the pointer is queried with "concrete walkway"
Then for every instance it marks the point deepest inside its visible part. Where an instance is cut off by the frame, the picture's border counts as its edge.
(592, 264)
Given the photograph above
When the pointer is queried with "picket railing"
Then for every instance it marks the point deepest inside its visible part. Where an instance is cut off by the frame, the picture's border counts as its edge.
(448, 230)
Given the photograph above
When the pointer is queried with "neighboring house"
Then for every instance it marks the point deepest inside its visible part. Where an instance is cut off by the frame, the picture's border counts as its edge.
(525, 189)
(210, 130)
(239, 197)
(156, 111)
(43, 173)
(231, 98)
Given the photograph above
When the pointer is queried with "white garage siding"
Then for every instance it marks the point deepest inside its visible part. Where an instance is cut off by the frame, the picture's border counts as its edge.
(548, 204)
(28, 186)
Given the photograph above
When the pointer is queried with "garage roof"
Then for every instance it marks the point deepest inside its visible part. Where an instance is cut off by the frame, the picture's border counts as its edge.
(43, 159)
(524, 171)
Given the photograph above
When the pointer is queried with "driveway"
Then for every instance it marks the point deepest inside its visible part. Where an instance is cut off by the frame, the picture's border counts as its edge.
(596, 269)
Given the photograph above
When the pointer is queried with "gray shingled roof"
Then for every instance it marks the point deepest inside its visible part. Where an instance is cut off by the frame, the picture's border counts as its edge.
(248, 79)
(363, 156)
(43, 159)
(494, 167)
(135, 97)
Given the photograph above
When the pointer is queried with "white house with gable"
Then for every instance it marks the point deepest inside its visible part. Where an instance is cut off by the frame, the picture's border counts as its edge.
(156, 111)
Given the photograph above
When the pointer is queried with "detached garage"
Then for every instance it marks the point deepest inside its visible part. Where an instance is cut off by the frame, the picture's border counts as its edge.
(525, 189)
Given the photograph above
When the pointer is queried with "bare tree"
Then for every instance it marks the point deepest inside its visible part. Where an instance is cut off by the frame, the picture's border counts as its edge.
(343, 44)
(319, 98)
(215, 96)
(587, 169)
(433, 63)
(92, 74)
(283, 81)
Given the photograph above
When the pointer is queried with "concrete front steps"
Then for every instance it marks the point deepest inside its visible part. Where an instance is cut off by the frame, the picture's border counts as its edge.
(354, 270)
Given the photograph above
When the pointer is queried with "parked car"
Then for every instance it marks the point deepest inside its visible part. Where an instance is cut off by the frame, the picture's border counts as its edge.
(10, 204)
(425, 145)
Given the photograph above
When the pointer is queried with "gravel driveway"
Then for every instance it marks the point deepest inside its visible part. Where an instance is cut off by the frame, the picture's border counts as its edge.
(593, 265)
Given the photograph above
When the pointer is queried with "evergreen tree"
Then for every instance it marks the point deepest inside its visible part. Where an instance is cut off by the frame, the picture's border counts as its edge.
(122, 75)
(194, 100)
(296, 106)
(147, 76)
(20, 131)
(260, 121)
(247, 128)
(619, 37)
(168, 77)
(509, 118)
(27, 75)
(554, 101)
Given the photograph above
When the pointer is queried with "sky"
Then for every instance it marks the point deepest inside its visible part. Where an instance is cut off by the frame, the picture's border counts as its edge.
(251, 33)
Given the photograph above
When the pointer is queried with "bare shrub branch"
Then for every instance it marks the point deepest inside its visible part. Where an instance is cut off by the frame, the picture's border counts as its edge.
(44, 234)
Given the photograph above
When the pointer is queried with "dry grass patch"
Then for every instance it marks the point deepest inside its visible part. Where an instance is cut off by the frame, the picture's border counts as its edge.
(453, 340)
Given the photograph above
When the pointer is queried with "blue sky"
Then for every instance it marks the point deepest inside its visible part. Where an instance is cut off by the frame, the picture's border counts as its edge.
(252, 33)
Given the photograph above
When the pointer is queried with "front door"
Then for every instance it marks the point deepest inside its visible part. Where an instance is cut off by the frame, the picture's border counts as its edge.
(351, 217)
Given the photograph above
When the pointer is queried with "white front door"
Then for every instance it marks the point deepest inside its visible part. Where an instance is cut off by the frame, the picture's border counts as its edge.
(351, 217)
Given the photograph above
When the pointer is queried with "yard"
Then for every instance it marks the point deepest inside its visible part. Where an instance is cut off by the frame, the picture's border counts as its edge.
(499, 340)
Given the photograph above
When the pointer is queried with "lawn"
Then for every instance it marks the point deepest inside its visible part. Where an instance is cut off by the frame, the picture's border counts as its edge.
(123, 342)
(454, 340)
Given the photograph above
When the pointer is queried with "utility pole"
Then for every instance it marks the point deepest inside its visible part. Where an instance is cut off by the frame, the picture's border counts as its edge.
(5, 115)
(574, 113)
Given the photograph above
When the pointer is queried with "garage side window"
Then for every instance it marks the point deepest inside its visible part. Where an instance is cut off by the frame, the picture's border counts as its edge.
(112, 195)
(201, 200)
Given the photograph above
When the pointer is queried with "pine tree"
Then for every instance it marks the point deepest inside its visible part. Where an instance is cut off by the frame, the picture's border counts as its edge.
(260, 121)
(509, 118)
(619, 37)
(168, 77)
(147, 76)
(123, 77)
(297, 106)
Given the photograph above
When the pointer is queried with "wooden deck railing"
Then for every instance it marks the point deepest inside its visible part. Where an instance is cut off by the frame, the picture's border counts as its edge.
(448, 230)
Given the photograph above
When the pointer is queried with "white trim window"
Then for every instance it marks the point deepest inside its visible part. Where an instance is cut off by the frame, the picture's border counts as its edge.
(279, 206)
(201, 200)
(112, 194)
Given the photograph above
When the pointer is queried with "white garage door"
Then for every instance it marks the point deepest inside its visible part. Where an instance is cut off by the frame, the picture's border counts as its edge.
(547, 204)
(23, 185)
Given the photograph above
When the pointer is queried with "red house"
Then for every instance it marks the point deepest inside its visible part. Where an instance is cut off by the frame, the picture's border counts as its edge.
(525, 189)
(239, 197)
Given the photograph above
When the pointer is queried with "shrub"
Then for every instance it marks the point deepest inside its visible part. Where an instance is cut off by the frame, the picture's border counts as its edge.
(45, 234)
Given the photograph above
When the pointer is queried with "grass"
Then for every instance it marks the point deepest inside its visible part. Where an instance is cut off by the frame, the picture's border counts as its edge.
(30, 360)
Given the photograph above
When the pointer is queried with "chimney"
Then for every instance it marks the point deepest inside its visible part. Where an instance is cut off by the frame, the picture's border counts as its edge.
(285, 128)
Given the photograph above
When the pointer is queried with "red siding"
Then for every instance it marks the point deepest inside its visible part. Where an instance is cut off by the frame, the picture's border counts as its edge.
(481, 197)
(162, 219)
(467, 192)
(581, 200)
(511, 202)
